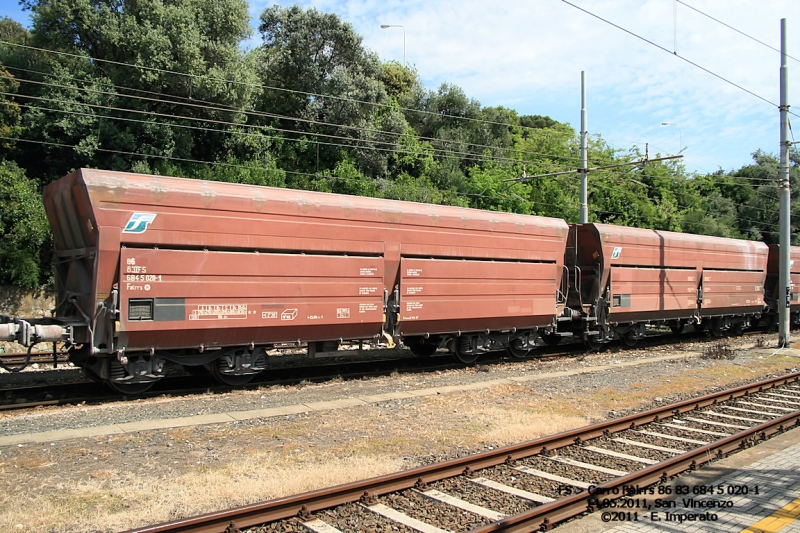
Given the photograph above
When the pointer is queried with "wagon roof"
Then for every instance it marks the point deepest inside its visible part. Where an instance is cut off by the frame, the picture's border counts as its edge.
(163, 192)
(628, 235)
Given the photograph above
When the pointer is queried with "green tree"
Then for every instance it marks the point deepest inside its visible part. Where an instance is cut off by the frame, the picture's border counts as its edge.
(759, 207)
(151, 61)
(24, 231)
(9, 110)
(398, 80)
(307, 54)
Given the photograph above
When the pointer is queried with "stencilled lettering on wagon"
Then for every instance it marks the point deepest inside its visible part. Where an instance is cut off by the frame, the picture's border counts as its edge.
(219, 312)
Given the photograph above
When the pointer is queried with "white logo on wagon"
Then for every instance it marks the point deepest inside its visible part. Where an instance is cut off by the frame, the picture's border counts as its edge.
(342, 312)
(616, 252)
(138, 222)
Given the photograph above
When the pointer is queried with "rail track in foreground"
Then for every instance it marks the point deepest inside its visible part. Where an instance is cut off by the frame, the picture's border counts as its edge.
(534, 485)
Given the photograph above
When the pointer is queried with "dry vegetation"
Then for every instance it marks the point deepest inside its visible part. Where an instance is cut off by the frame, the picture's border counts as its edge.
(107, 484)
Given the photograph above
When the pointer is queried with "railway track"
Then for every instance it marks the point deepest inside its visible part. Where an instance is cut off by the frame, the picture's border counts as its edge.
(49, 394)
(537, 484)
(91, 392)
(14, 362)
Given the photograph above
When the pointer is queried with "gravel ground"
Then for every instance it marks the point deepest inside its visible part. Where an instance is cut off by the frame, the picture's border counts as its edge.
(121, 481)
(588, 456)
(61, 417)
(427, 510)
(483, 496)
(354, 518)
(512, 477)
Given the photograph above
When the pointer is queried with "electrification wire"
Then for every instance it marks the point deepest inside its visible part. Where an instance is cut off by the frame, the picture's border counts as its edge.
(256, 85)
(737, 217)
(231, 109)
(317, 177)
(618, 175)
(464, 155)
(157, 156)
(204, 104)
(181, 159)
(621, 176)
(469, 156)
(262, 135)
(674, 54)
(734, 29)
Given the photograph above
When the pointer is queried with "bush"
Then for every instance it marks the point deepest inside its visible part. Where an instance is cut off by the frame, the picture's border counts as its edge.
(25, 238)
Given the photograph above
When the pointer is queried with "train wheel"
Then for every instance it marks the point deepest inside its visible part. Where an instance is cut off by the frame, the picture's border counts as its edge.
(461, 352)
(198, 371)
(92, 375)
(517, 350)
(715, 327)
(129, 389)
(421, 349)
(629, 338)
(233, 380)
(737, 329)
(594, 345)
(677, 329)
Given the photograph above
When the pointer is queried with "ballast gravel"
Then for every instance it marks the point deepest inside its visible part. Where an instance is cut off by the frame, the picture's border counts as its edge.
(483, 496)
(69, 417)
(102, 471)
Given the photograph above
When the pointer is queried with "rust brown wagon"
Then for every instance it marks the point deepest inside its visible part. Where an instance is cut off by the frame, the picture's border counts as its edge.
(151, 269)
(771, 285)
(624, 278)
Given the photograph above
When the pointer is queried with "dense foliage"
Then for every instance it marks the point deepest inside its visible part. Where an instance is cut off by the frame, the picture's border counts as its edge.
(167, 87)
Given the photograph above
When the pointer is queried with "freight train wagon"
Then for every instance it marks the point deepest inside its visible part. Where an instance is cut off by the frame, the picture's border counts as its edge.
(771, 287)
(150, 269)
(623, 278)
(210, 276)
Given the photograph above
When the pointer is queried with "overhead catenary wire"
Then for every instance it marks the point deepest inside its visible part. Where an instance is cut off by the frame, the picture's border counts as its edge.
(214, 106)
(555, 170)
(464, 155)
(317, 176)
(232, 165)
(679, 206)
(256, 85)
(675, 54)
(734, 29)
(295, 118)
(197, 103)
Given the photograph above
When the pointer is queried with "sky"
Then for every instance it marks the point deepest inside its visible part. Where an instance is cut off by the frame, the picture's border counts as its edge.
(528, 56)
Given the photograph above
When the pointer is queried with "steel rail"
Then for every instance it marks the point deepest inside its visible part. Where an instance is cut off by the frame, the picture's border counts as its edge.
(366, 490)
(36, 357)
(541, 518)
(543, 354)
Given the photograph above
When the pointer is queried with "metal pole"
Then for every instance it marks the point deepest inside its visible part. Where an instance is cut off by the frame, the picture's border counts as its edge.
(784, 284)
(584, 217)
(385, 26)
(404, 45)
(675, 26)
(680, 135)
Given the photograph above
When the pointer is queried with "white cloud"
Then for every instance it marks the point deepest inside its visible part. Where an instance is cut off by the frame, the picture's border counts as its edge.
(529, 56)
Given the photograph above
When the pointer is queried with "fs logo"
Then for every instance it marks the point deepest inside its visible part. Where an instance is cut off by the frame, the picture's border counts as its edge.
(138, 222)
